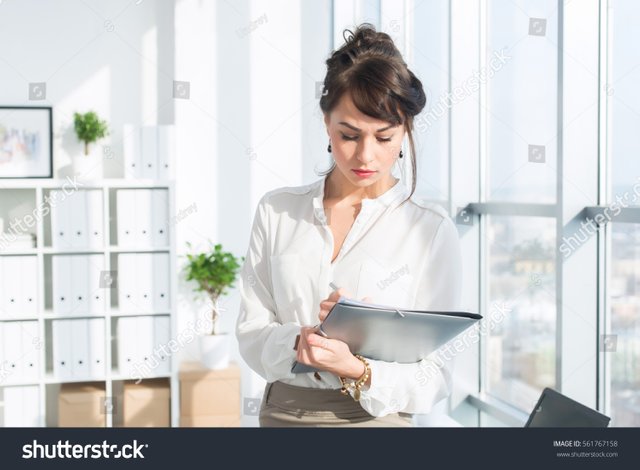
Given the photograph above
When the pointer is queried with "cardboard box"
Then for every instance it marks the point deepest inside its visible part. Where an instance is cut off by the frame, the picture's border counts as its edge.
(147, 404)
(219, 421)
(209, 393)
(82, 405)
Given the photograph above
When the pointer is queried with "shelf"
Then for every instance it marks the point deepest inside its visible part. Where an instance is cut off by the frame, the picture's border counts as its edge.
(24, 251)
(116, 376)
(19, 318)
(118, 313)
(139, 249)
(50, 315)
(47, 250)
(49, 378)
(19, 383)
(30, 183)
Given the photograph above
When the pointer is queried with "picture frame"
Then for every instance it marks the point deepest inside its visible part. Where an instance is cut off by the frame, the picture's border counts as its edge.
(26, 142)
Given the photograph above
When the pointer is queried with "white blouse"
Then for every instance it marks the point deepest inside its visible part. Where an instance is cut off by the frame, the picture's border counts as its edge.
(403, 255)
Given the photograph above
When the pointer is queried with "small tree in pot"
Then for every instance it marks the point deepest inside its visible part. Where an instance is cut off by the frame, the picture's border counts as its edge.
(214, 272)
(89, 128)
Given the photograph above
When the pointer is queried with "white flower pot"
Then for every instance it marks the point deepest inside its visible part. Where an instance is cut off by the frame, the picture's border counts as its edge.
(89, 167)
(215, 350)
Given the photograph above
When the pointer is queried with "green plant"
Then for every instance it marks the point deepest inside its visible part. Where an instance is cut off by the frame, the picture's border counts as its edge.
(89, 128)
(214, 272)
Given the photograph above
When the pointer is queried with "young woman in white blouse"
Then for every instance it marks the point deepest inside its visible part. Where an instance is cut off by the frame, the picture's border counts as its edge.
(357, 228)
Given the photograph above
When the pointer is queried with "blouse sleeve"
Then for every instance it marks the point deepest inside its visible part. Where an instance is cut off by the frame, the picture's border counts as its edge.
(415, 388)
(265, 344)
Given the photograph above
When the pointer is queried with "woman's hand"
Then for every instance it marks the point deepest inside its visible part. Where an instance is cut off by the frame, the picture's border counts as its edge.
(326, 354)
(327, 304)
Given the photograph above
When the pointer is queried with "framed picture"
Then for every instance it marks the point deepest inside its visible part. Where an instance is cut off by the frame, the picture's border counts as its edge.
(26, 142)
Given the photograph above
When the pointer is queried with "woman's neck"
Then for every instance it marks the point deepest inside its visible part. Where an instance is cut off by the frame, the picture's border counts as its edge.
(339, 189)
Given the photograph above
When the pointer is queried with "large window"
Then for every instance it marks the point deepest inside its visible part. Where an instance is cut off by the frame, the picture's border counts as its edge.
(622, 349)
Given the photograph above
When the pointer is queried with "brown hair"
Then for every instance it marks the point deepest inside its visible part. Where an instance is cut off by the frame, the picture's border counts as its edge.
(371, 69)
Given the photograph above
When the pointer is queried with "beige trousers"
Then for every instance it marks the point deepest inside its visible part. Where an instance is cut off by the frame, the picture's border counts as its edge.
(286, 405)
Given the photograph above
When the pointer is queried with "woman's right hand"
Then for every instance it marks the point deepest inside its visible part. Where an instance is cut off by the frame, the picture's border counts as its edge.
(327, 304)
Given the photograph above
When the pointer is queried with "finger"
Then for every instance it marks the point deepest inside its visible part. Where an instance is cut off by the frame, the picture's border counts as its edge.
(336, 294)
(317, 341)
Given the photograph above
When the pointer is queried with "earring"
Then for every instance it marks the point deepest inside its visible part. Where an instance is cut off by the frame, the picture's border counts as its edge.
(400, 156)
(329, 147)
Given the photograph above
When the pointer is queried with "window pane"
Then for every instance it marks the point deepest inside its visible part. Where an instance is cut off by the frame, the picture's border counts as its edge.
(624, 99)
(522, 101)
(430, 46)
(624, 296)
(521, 348)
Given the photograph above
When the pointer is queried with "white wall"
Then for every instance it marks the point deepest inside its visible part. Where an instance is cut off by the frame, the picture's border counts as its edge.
(251, 122)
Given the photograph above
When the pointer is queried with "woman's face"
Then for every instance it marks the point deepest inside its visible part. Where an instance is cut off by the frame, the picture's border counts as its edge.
(360, 142)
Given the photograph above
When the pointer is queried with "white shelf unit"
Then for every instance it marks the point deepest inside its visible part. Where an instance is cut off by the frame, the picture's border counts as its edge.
(38, 188)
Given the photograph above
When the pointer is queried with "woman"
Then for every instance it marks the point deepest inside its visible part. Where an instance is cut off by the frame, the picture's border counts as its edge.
(358, 228)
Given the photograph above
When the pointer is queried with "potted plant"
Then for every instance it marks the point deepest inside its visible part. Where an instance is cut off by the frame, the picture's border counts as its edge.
(214, 272)
(89, 128)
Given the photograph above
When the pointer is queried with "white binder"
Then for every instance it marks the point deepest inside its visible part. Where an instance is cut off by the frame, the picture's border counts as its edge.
(166, 151)
(29, 285)
(132, 150)
(97, 351)
(60, 219)
(160, 217)
(78, 218)
(95, 230)
(144, 293)
(97, 293)
(21, 406)
(80, 272)
(30, 350)
(61, 283)
(144, 334)
(149, 152)
(80, 348)
(127, 354)
(161, 338)
(161, 282)
(144, 217)
(62, 349)
(126, 217)
(127, 282)
(12, 342)
(11, 276)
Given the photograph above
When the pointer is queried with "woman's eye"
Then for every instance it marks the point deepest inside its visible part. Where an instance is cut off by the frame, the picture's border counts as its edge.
(384, 140)
(349, 137)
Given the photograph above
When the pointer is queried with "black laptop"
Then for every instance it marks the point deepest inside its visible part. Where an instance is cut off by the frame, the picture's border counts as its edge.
(555, 410)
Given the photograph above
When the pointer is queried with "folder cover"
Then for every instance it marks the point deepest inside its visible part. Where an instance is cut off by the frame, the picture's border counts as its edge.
(390, 334)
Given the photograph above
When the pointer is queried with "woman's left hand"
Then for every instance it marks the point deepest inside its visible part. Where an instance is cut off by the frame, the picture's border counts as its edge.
(331, 355)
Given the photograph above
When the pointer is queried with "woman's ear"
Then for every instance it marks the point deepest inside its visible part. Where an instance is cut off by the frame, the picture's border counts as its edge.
(327, 120)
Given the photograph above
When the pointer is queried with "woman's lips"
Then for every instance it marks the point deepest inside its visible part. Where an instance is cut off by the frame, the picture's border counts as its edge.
(362, 173)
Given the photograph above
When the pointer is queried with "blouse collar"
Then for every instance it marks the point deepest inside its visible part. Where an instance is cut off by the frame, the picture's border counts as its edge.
(390, 196)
